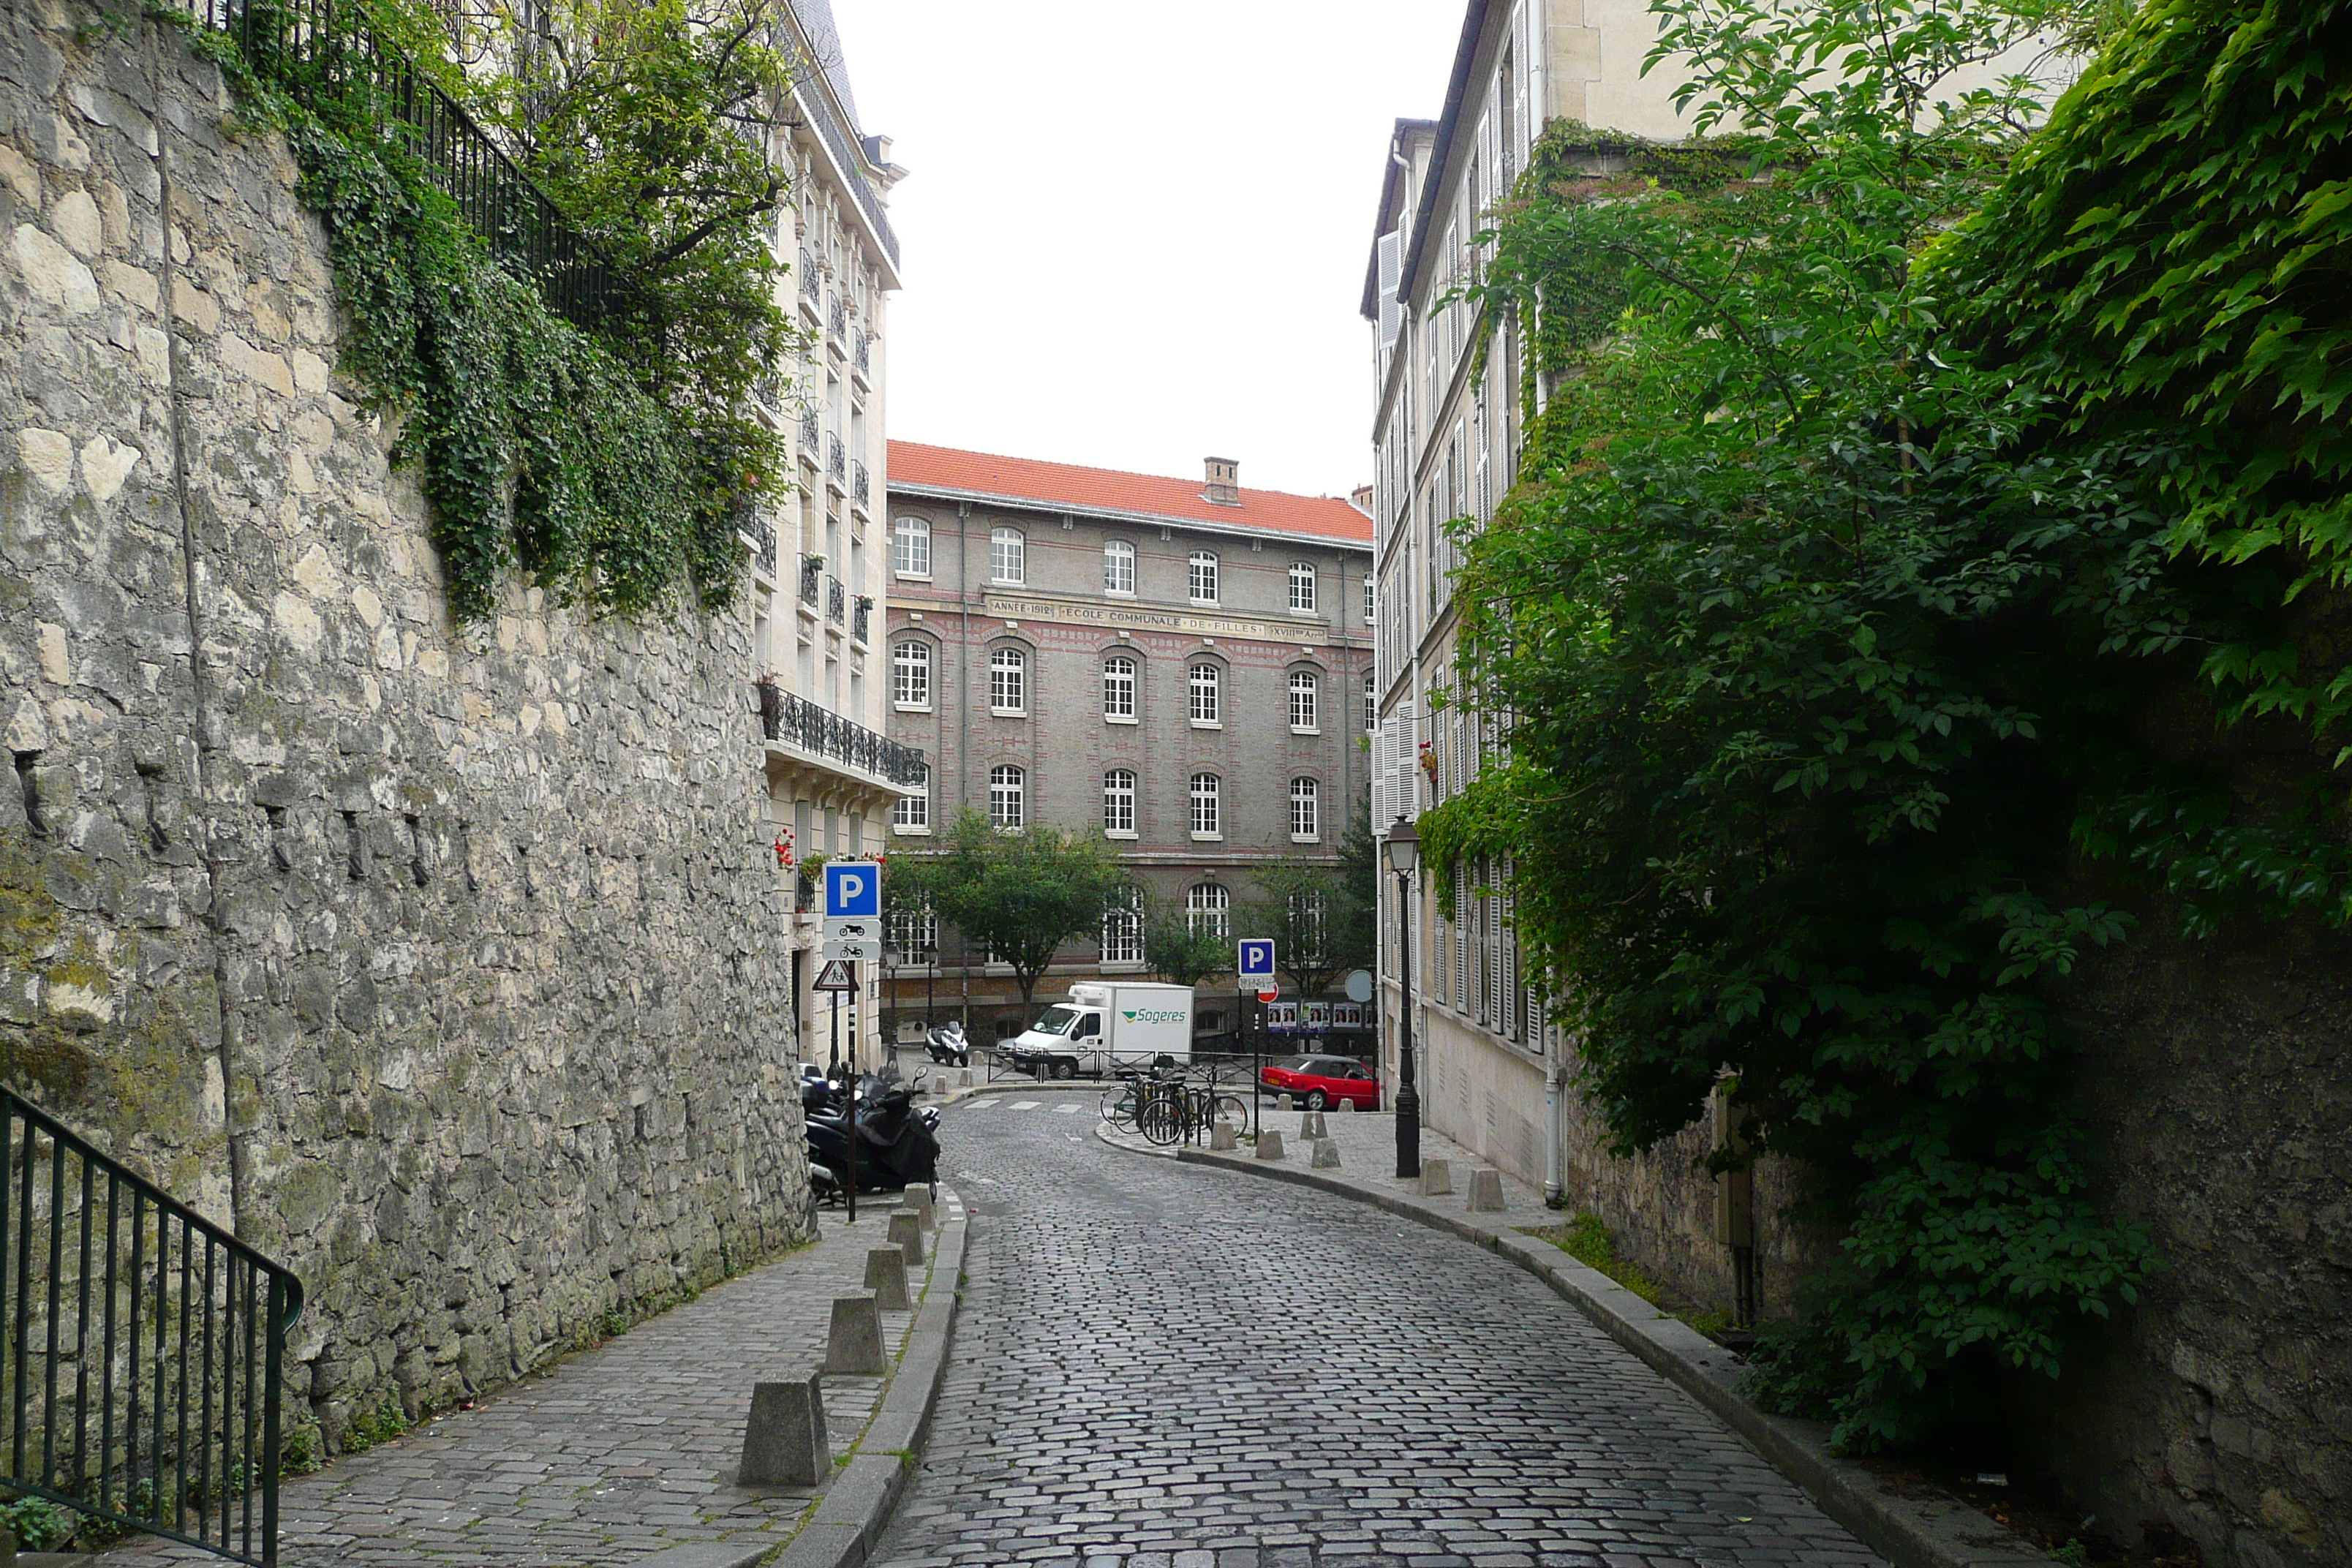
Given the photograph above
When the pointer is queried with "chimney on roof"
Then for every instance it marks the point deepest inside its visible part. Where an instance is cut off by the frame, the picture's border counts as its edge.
(1224, 482)
(1361, 498)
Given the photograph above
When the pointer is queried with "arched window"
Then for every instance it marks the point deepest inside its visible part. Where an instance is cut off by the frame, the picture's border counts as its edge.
(1206, 683)
(1007, 790)
(1118, 686)
(1122, 928)
(1119, 801)
(1306, 699)
(911, 675)
(910, 547)
(1119, 567)
(1302, 586)
(1306, 810)
(1008, 681)
(1371, 704)
(1008, 555)
(1206, 817)
(1205, 904)
(1202, 577)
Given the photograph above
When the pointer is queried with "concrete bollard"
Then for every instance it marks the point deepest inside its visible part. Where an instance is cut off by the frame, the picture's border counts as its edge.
(1310, 1125)
(906, 1231)
(918, 1198)
(853, 1347)
(1223, 1138)
(963, 1079)
(1485, 1189)
(1327, 1154)
(1347, 1107)
(1282, 1102)
(783, 1442)
(1269, 1144)
(886, 1276)
(1436, 1176)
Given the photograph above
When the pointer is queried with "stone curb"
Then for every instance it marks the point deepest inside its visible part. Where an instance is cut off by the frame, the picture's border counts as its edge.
(1910, 1532)
(851, 1515)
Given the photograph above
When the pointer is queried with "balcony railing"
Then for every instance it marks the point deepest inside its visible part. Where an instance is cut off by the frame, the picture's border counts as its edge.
(837, 320)
(808, 432)
(318, 52)
(862, 620)
(844, 153)
(859, 487)
(811, 570)
(836, 457)
(836, 601)
(794, 720)
(142, 1349)
(809, 285)
(754, 525)
(863, 355)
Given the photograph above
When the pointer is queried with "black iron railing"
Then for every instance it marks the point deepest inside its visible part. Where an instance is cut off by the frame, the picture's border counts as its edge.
(861, 618)
(811, 573)
(142, 1348)
(836, 321)
(836, 457)
(754, 525)
(863, 358)
(794, 720)
(809, 433)
(808, 275)
(858, 486)
(812, 97)
(836, 602)
(319, 52)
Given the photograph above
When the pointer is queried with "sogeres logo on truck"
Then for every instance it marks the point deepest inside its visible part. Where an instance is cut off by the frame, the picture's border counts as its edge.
(1151, 1016)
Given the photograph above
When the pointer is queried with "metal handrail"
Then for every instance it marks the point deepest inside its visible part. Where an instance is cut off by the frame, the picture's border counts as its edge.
(314, 51)
(812, 571)
(836, 601)
(792, 720)
(859, 486)
(836, 457)
(142, 1348)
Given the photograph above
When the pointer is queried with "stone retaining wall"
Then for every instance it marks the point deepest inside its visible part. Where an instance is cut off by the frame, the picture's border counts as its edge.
(444, 963)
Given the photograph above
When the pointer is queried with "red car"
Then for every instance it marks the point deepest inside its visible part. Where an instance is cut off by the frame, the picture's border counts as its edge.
(1320, 1082)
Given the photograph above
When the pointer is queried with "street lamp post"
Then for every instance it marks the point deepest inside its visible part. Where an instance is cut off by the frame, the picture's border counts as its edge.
(1404, 853)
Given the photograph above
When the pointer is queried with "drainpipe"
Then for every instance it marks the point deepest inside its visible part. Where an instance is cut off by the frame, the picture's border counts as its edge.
(1552, 1187)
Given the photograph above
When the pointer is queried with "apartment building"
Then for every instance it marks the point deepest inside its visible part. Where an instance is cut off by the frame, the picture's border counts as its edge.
(1446, 440)
(1182, 667)
(817, 557)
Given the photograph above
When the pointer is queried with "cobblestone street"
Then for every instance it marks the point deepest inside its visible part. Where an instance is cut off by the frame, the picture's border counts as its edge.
(1164, 1366)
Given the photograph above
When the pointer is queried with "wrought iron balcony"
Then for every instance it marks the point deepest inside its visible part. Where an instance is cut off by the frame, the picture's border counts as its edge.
(811, 569)
(808, 275)
(863, 619)
(808, 432)
(792, 720)
(836, 601)
(862, 357)
(836, 457)
(753, 524)
(859, 487)
(836, 320)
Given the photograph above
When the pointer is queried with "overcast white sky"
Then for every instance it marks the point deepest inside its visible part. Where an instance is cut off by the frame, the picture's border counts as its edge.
(1135, 235)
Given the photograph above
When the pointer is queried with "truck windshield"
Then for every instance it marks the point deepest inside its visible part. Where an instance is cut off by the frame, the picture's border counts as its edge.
(1057, 1021)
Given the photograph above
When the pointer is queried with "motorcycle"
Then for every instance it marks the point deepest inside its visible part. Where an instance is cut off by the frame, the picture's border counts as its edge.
(947, 1045)
(897, 1140)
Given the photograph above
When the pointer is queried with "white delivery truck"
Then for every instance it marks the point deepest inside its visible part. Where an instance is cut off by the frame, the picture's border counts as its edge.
(1102, 1027)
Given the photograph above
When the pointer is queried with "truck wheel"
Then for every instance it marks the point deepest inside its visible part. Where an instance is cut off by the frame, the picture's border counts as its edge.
(1065, 1069)
(1315, 1100)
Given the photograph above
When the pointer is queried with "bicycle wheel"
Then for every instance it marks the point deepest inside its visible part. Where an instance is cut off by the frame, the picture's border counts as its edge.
(1119, 1108)
(1161, 1119)
(1234, 1109)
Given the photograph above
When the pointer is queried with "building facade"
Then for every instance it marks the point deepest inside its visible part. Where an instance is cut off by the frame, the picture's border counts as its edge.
(817, 557)
(1447, 440)
(1182, 668)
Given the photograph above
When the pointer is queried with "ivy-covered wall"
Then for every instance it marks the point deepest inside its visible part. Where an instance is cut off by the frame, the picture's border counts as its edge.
(443, 962)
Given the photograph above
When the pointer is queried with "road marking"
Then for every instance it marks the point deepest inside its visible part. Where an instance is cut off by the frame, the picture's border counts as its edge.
(1065, 1111)
(988, 1103)
(1024, 1105)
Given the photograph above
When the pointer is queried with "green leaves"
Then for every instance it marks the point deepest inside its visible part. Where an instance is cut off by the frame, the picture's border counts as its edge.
(1019, 894)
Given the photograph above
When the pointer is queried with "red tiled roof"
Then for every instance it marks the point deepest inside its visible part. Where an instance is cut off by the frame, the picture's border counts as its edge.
(1046, 484)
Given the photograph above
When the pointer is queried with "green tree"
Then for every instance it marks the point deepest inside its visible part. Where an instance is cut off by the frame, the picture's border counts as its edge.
(1019, 894)
(1308, 907)
(1180, 949)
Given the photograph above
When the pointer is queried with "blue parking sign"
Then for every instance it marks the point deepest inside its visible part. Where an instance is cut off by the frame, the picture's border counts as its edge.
(1257, 959)
(853, 890)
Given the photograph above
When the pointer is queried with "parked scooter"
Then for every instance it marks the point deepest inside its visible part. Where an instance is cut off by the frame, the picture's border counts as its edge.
(947, 1045)
(897, 1140)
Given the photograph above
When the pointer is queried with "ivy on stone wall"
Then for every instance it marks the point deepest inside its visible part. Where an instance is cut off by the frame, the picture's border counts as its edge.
(1880, 641)
(602, 466)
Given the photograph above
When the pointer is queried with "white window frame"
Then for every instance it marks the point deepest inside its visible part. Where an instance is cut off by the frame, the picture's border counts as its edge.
(1008, 556)
(1306, 811)
(1204, 805)
(1119, 803)
(911, 677)
(1122, 931)
(1371, 600)
(1208, 904)
(1372, 703)
(908, 933)
(1119, 684)
(1202, 572)
(1008, 678)
(1205, 699)
(1118, 563)
(912, 813)
(1008, 797)
(1302, 587)
(1306, 702)
(910, 548)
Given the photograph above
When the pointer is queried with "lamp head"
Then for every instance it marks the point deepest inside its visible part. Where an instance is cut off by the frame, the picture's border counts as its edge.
(1404, 847)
